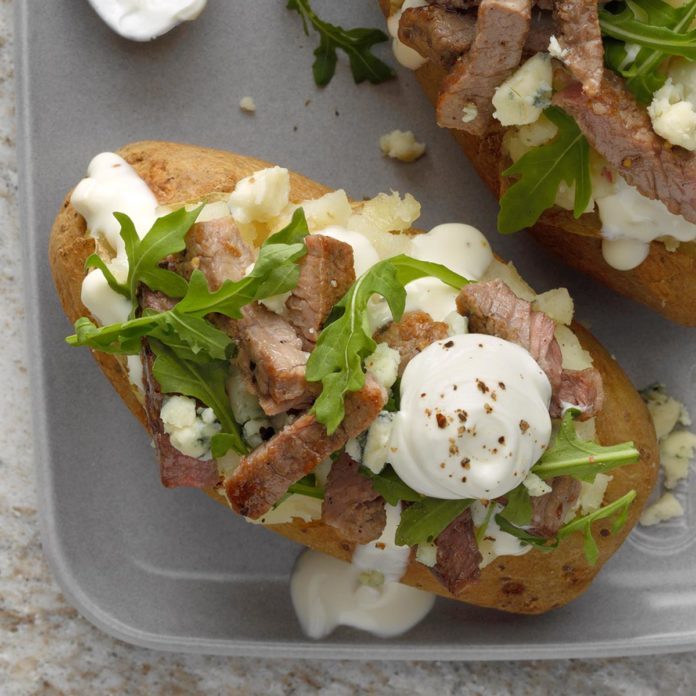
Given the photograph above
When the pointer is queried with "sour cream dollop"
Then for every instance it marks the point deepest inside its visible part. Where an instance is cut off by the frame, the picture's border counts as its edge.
(143, 20)
(474, 418)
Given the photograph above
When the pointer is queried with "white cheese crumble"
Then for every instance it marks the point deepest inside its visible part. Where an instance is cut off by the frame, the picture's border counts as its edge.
(261, 196)
(456, 323)
(469, 112)
(673, 107)
(592, 494)
(383, 364)
(245, 405)
(666, 508)
(676, 452)
(189, 428)
(247, 104)
(535, 485)
(526, 93)
(401, 145)
(376, 453)
(426, 553)
(252, 431)
(556, 50)
(557, 303)
(354, 450)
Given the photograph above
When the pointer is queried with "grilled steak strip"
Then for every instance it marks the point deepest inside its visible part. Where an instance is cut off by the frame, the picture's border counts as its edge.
(265, 474)
(501, 31)
(621, 131)
(494, 309)
(458, 556)
(412, 334)
(326, 274)
(442, 36)
(581, 38)
(581, 388)
(351, 504)
(176, 469)
(549, 510)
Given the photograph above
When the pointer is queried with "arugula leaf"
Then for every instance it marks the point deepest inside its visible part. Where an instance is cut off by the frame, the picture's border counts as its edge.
(582, 524)
(388, 484)
(582, 459)
(427, 519)
(541, 171)
(357, 44)
(205, 382)
(275, 272)
(518, 509)
(342, 346)
(307, 486)
(659, 29)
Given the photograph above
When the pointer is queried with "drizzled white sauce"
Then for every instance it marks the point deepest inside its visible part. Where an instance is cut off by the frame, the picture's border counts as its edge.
(112, 186)
(365, 594)
(143, 20)
(364, 254)
(405, 54)
(495, 542)
(473, 418)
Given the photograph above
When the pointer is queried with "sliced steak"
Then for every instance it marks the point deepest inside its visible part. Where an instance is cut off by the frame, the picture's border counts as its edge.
(176, 469)
(351, 504)
(218, 250)
(494, 309)
(581, 38)
(442, 36)
(621, 131)
(549, 510)
(271, 360)
(437, 34)
(326, 274)
(580, 388)
(501, 31)
(415, 332)
(458, 555)
(264, 476)
(157, 301)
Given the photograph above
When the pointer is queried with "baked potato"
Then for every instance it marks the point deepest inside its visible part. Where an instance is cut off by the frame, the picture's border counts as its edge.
(665, 281)
(528, 584)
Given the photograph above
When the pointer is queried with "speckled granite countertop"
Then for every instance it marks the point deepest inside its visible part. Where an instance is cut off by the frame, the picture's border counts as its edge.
(47, 648)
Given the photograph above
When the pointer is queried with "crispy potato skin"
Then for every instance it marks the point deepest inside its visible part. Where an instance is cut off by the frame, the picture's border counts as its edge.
(665, 281)
(528, 584)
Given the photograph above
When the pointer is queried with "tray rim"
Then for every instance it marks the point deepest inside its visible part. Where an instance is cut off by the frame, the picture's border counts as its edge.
(110, 624)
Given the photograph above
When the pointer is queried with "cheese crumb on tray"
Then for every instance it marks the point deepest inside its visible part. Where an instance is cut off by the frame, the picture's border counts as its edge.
(401, 145)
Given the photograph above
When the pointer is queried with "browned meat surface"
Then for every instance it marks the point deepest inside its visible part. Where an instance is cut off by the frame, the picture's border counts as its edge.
(158, 301)
(271, 360)
(443, 36)
(326, 274)
(351, 505)
(549, 510)
(218, 250)
(437, 34)
(582, 388)
(581, 37)
(458, 556)
(494, 309)
(176, 469)
(264, 476)
(501, 32)
(415, 332)
(621, 131)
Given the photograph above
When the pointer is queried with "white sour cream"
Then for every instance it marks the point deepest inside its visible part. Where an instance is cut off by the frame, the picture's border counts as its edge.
(630, 221)
(144, 20)
(112, 186)
(473, 420)
(404, 54)
(364, 253)
(327, 593)
(495, 542)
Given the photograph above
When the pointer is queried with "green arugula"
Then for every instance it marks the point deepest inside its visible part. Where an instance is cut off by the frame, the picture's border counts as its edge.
(582, 524)
(518, 509)
(541, 171)
(342, 346)
(205, 382)
(426, 519)
(659, 29)
(357, 44)
(568, 455)
(388, 484)
(307, 486)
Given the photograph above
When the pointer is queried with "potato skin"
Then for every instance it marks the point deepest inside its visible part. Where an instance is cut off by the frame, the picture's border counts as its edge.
(665, 281)
(528, 584)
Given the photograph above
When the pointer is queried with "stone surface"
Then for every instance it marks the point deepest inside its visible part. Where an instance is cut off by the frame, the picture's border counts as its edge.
(47, 648)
